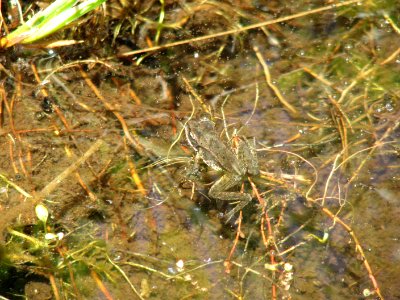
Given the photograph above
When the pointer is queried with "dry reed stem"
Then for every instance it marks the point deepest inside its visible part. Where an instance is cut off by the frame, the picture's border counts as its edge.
(372, 149)
(227, 262)
(125, 277)
(390, 57)
(269, 241)
(109, 107)
(336, 166)
(272, 86)
(101, 285)
(12, 143)
(358, 249)
(63, 119)
(318, 77)
(238, 30)
(314, 182)
(18, 95)
(363, 73)
(15, 186)
(62, 252)
(54, 287)
(196, 96)
(132, 169)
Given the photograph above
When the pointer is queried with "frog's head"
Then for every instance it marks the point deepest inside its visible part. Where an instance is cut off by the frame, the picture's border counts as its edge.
(205, 124)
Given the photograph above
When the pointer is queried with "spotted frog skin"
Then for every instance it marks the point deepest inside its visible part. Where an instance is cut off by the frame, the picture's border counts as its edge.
(235, 164)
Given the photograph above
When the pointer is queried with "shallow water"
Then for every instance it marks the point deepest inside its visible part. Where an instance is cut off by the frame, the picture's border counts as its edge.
(325, 127)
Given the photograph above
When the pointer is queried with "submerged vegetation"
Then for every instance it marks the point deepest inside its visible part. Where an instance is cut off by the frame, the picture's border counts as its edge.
(98, 191)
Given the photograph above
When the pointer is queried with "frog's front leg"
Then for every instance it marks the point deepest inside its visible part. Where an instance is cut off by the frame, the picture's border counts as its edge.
(220, 189)
(193, 172)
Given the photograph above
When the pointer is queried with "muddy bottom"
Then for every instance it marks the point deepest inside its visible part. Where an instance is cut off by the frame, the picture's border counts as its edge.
(102, 145)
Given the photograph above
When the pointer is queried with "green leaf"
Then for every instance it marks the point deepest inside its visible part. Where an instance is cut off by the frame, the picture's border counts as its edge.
(56, 16)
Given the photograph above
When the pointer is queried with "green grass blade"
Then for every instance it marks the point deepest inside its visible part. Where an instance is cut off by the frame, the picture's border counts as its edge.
(51, 11)
(62, 19)
(46, 14)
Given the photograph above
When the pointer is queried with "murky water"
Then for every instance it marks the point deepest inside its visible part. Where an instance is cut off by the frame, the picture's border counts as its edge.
(318, 95)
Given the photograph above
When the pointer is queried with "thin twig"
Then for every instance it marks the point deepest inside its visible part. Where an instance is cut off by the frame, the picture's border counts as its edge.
(238, 30)
(13, 213)
(273, 87)
(126, 278)
(359, 249)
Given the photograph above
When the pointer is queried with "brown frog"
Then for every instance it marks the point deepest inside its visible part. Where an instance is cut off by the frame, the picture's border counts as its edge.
(235, 164)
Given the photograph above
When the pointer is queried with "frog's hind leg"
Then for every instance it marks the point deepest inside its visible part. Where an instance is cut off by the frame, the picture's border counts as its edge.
(220, 191)
(236, 209)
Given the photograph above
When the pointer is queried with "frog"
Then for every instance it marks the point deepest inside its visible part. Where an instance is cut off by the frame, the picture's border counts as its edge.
(234, 164)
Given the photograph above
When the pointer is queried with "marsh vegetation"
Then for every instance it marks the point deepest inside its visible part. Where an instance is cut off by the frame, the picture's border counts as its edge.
(96, 200)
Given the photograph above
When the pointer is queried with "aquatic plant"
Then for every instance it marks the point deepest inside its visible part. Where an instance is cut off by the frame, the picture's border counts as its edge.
(56, 16)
